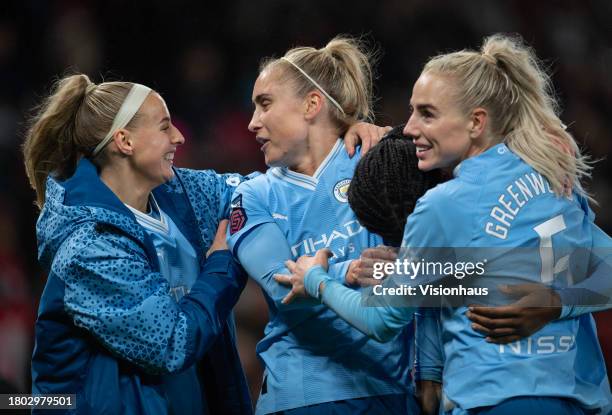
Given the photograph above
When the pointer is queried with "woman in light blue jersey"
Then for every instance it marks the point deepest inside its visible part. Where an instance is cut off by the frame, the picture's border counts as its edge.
(491, 117)
(315, 363)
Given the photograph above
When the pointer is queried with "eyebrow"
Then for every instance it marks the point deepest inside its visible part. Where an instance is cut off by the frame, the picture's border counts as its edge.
(423, 107)
(261, 97)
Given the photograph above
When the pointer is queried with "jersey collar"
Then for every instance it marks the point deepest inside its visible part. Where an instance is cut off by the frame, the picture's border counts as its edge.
(156, 225)
(474, 165)
(304, 180)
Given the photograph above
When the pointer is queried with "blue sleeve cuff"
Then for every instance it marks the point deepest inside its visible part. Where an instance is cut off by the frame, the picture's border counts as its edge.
(218, 261)
(432, 374)
(313, 279)
(338, 271)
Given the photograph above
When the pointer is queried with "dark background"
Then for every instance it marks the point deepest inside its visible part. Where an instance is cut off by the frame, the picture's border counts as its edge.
(203, 58)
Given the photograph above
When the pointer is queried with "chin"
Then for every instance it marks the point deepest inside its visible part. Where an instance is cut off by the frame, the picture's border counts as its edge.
(167, 176)
(273, 162)
(425, 165)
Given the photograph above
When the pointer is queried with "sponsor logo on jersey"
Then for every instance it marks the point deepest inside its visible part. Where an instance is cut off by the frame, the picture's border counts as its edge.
(238, 217)
(539, 345)
(343, 234)
(341, 190)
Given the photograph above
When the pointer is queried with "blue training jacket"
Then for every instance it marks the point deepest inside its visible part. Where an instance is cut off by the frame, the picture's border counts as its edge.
(108, 330)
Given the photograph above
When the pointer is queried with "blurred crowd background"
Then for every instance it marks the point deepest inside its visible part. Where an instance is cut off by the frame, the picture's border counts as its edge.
(203, 58)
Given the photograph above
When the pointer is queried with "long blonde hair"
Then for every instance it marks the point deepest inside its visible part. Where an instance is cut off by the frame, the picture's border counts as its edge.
(68, 125)
(506, 78)
(343, 68)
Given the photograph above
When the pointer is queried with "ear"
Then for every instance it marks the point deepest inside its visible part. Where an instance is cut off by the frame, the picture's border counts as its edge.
(478, 122)
(124, 142)
(313, 103)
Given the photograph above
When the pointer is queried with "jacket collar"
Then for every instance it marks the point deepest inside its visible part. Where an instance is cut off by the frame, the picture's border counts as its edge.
(85, 188)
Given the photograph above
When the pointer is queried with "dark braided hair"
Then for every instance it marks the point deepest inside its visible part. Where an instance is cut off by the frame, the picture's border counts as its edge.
(387, 184)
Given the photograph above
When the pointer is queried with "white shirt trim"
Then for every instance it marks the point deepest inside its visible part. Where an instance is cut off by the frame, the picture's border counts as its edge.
(147, 221)
(304, 180)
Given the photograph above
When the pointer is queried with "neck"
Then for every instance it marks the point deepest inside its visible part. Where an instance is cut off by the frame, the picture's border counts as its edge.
(480, 146)
(318, 145)
(124, 183)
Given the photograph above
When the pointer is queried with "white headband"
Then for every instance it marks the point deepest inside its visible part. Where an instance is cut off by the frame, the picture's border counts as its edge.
(319, 87)
(130, 106)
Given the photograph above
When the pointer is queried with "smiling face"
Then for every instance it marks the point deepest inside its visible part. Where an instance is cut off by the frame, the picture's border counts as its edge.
(155, 140)
(437, 125)
(278, 120)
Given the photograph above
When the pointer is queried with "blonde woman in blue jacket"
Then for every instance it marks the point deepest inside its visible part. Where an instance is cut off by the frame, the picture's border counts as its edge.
(131, 300)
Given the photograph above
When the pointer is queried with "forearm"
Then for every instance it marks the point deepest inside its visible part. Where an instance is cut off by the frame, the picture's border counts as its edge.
(137, 319)
(381, 322)
(338, 271)
(263, 253)
(210, 302)
(429, 394)
(429, 357)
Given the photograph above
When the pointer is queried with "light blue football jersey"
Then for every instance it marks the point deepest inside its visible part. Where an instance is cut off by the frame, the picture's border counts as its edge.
(178, 263)
(495, 203)
(498, 201)
(310, 354)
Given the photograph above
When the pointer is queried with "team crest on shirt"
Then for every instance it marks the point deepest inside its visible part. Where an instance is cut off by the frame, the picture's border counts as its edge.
(341, 190)
(238, 217)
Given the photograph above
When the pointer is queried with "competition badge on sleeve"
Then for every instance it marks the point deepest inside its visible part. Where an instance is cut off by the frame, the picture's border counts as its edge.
(238, 217)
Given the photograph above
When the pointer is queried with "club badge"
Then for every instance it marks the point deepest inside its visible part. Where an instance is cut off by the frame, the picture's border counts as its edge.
(341, 190)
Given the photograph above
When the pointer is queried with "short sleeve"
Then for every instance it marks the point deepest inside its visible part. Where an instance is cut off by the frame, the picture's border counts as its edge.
(248, 210)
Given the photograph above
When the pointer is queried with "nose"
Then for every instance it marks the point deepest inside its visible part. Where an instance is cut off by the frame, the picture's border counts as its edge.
(410, 129)
(177, 136)
(255, 124)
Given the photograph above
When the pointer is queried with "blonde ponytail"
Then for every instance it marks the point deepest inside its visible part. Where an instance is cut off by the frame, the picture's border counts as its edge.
(68, 124)
(507, 79)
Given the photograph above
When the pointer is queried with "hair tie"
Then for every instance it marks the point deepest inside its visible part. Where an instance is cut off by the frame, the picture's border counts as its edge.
(489, 58)
(90, 87)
